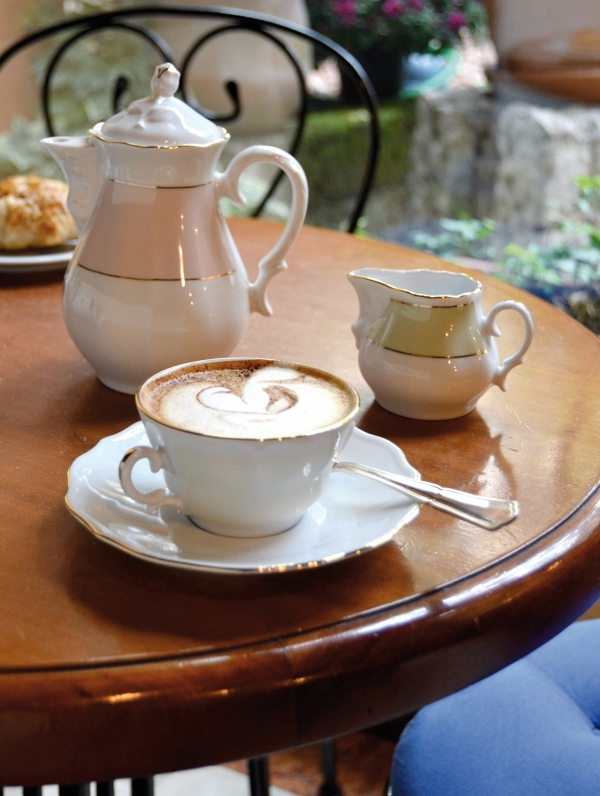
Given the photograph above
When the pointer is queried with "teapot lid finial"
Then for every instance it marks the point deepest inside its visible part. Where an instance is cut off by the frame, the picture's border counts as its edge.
(165, 81)
(160, 120)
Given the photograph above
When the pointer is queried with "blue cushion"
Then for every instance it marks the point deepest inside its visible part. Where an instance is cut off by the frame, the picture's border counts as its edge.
(528, 730)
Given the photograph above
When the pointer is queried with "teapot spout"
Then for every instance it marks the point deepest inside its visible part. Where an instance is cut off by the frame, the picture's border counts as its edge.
(80, 163)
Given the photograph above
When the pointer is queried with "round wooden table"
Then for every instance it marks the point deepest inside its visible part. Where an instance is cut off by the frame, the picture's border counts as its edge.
(111, 666)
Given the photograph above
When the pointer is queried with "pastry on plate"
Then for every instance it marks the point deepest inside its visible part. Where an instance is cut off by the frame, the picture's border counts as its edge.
(33, 213)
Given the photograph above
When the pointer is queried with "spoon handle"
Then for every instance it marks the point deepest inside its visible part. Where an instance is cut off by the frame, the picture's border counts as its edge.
(488, 513)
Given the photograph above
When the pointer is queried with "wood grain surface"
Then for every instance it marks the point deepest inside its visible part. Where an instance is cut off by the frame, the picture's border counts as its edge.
(110, 666)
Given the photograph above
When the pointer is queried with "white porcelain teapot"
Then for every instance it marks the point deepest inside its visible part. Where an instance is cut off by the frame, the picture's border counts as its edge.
(156, 279)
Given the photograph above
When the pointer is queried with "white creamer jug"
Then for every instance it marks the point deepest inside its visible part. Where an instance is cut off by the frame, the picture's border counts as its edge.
(426, 348)
(156, 279)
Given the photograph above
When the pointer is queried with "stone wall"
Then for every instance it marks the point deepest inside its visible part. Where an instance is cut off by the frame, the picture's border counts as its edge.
(452, 155)
(514, 162)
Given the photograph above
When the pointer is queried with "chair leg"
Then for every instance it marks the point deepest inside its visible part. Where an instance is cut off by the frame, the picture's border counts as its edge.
(74, 790)
(142, 786)
(258, 771)
(330, 786)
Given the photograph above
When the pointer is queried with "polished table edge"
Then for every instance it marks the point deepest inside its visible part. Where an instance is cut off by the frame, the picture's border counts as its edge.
(290, 676)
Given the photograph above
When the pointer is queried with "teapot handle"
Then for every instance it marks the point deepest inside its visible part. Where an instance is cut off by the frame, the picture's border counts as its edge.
(227, 186)
(490, 328)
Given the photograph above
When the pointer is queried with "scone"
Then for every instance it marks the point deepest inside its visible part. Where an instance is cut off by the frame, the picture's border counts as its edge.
(33, 213)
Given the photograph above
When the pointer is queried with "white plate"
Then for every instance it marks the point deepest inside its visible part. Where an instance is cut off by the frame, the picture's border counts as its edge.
(353, 515)
(36, 260)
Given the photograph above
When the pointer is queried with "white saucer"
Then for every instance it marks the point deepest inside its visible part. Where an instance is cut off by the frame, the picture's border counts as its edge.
(353, 515)
(36, 260)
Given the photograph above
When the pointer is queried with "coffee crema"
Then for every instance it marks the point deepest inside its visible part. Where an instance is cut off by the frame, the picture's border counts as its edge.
(248, 399)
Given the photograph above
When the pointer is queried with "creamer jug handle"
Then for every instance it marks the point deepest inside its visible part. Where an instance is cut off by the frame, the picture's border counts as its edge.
(490, 328)
(227, 186)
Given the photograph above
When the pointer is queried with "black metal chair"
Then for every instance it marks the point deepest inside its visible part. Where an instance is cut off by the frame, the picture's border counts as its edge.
(134, 21)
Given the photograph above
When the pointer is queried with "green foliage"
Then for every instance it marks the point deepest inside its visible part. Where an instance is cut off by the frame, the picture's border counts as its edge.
(396, 121)
(588, 199)
(82, 83)
(538, 268)
(566, 264)
(333, 150)
(587, 206)
(21, 153)
(462, 237)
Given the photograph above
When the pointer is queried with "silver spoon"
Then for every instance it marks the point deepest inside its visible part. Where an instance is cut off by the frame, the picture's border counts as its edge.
(488, 513)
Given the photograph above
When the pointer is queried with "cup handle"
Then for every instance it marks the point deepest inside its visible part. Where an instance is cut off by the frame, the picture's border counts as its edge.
(490, 328)
(227, 186)
(153, 500)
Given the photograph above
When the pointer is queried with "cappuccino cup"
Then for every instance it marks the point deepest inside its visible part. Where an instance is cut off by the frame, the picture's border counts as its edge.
(245, 445)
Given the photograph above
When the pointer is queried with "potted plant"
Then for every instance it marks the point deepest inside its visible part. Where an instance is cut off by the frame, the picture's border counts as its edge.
(380, 33)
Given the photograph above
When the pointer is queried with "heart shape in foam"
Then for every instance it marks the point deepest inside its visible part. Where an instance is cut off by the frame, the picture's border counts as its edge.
(258, 398)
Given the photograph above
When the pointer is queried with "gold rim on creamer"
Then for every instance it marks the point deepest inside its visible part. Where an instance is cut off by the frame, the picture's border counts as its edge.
(157, 278)
(93, 132)
(215, 364)
(356, 275)
(427, 306)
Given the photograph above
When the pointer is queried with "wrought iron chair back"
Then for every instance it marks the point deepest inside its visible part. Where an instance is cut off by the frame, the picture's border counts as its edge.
(72, 31)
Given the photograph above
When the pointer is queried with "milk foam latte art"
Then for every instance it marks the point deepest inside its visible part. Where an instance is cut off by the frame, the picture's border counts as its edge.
(255, 401)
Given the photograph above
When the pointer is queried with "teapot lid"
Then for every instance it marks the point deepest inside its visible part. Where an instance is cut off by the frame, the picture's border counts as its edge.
(160, 120)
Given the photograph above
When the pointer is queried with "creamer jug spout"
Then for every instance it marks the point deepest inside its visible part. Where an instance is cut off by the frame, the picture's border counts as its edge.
(373, 296)
(79, 161)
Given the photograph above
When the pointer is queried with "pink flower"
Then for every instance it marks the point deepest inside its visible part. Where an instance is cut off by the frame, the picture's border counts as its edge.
(346, 11)
(456, 21)
(415, 5)
(392, 8)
